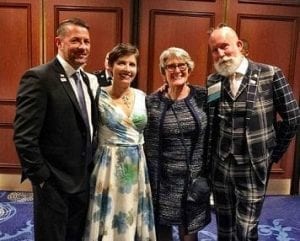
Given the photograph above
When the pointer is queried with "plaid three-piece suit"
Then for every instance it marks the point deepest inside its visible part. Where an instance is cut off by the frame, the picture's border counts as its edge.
(245, 139)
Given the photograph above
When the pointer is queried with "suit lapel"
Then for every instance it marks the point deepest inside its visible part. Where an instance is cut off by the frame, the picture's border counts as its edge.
(226, 84)
(252, 79)
(243, 85)
(64, 80)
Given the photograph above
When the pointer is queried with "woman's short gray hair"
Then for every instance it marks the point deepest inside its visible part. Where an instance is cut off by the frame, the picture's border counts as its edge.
(175, 52)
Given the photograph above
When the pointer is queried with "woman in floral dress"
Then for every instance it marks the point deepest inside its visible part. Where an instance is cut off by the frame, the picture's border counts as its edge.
(121, 203)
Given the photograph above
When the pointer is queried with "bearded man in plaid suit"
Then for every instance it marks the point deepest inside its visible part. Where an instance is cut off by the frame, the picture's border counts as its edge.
(244, 133)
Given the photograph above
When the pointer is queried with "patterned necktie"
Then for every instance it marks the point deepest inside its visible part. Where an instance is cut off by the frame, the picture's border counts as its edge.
(234, 86)
(81, 100)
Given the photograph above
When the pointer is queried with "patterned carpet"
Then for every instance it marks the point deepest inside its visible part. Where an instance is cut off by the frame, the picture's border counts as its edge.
(16, 222)
(280, 220)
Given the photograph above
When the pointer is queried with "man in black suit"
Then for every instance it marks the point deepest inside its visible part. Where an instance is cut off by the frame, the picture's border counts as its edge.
(104, 76)
(55, 127)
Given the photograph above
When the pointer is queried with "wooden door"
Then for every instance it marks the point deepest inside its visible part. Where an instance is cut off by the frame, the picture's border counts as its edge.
(183, 24)
(272, 29)
(20, 49)
(28, 28)
(110, 23)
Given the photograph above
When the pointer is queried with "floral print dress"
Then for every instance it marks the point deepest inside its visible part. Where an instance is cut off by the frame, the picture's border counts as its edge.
(121, 203)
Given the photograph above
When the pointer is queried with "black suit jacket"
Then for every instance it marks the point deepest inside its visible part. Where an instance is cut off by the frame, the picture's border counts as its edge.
(50, 135)
(102, 78)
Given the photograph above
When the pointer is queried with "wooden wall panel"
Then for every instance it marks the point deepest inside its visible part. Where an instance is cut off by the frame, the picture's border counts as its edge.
(175, 23)
(110, 23)
(267, 45)
(20, 44)
(29, 28)
(193, 40)
(272, 2)
(8, 155)
(20, 49)
(17, 43)
(272, 30)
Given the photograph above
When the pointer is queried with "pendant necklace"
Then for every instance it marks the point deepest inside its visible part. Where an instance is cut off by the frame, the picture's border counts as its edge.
(126, 100)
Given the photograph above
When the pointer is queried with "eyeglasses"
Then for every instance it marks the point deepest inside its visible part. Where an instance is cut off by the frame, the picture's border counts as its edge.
(172, 67)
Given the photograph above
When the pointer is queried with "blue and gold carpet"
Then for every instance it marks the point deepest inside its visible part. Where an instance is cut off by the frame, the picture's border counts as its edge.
(280, 219)
(16, 217)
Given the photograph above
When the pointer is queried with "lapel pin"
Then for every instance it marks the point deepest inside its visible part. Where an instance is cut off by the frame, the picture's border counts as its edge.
(63, 78)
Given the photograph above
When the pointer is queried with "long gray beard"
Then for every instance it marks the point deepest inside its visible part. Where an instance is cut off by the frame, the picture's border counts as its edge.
(229, 67)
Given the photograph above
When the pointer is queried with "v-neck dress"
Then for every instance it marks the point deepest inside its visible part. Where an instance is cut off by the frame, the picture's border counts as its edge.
(121, 203)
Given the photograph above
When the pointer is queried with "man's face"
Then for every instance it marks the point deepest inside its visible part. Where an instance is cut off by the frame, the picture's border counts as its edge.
(74, 45)
(226, 51)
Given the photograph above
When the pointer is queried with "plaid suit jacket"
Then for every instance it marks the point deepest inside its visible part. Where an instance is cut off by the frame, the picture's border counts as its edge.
(268, 96)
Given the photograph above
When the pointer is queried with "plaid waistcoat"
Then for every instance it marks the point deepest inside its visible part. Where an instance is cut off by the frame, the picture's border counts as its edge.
(232, 116)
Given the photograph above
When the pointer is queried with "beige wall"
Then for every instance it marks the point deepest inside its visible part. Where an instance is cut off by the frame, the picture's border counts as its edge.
(11, 182)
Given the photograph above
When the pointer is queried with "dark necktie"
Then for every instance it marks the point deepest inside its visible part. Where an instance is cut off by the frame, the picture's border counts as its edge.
(81, 100)
(109, 80)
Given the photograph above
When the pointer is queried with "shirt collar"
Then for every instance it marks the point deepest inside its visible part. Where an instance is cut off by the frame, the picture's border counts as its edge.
(67, 67)
(242, 69)
(107, 74)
